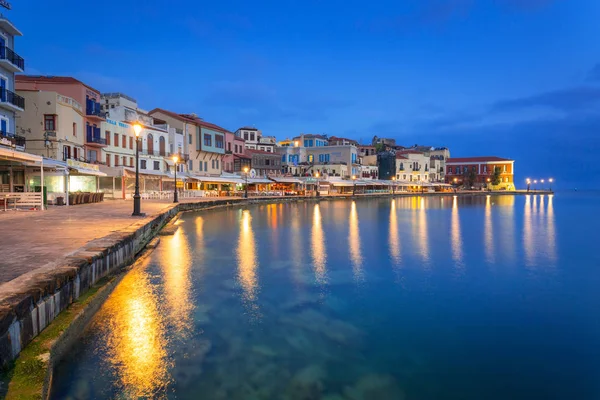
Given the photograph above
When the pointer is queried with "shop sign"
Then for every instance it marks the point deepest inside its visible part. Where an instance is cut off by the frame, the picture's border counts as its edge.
(79, 164)
(7, 141)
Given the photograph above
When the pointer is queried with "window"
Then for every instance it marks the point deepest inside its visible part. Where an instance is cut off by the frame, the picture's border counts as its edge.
(116, 160)
(450, 170)
(108, 160)
(107, 136)
(116, 139)
(200, 166)
(66, 153)
(162, 146)
(219, 142)
(143, 164)
(131, 143)
(505, 169)
(112, 106)
(245, 135)
(123, 161)
(206, 165)
(207, 140)
(212, 163)
(156, 165)
(229, 147)
(485, 169)
(190, 138)
(74, 129)
(217, 162)
(49, 122)
(267, 162)
(75, 153)
(236, 148)
(150, 144)
(190, 165)
(124, 141)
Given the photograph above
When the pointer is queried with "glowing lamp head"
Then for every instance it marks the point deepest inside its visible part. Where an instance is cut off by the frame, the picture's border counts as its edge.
(488, 179)
(354, 177)
(137, 128)
(246, 169)
(542, 181)
(175, 159)
(535, 181)
(316, 174)
(393, 178)
(455, 180)
(551, 180)
(296, 143)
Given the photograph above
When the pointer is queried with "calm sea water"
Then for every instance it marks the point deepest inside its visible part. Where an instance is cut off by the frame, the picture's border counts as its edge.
(413, 298)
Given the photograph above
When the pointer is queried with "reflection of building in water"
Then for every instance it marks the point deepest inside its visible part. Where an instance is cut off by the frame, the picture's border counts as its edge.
(247, 260)
(488, 231)
(393, 235)
(136, 342)
(421, 235)
(456, 238)
(354, 243)
(176, 262)
(296, 245)
(318, 246)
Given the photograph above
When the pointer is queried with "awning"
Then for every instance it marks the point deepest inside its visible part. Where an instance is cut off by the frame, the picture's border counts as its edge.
(259, 180)
(154, 174)
(218, 179)
(21, 156)
(286, 180)
(87, 171)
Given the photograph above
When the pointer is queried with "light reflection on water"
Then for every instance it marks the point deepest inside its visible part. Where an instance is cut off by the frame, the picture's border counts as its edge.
(165, 334)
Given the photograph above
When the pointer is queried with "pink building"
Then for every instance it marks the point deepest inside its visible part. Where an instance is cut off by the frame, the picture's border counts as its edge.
(234, 153)
(80, 92)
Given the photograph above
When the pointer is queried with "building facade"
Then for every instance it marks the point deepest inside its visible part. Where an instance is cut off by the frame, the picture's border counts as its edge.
(265, 163)
(10, 102)
(86, 96)
(53, 125)
(254, 140)
(480, 170)
(412, 166)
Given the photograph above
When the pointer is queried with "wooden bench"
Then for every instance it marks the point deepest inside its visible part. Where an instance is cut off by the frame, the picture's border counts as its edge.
(29, 200)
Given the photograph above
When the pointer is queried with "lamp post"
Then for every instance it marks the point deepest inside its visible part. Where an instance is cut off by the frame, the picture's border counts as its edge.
(354, 185)
(137, 212)
(542, 184)
(528, 184)
(246, 179)
(550, 181)
(175, 198)
(318, 192)
(488, 185)
(535, 185)
(393, 185)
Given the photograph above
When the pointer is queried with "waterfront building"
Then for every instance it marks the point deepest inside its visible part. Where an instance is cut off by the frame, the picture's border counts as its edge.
(264, 163)
(315, 154)
(459, 170)
(235, 159)
(254, 139)
(85, 95)
(369, 171)
(340, 141)
(412, 166)
(10, 102)
(366, 150)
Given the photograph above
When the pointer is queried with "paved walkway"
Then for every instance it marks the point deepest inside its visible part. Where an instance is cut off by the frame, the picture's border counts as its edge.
(31, 239)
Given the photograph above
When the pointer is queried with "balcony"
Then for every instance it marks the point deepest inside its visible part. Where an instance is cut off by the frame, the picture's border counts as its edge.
(11, 101)
(182, 157)
(93, 137)
(11, 60)
(12, 140)
(156, 153)
(92, 110)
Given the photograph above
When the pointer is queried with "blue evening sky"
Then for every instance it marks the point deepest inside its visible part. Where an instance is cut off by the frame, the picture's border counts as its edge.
(513, 78)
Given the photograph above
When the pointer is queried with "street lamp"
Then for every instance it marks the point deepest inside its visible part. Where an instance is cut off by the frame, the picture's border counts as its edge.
(528, 184)
(354, 186)
(318, 193)
(542, 184)
(393, 185)
(246, 178)
(550, 181)
(175, 198)
(535, 185)
(137, 212)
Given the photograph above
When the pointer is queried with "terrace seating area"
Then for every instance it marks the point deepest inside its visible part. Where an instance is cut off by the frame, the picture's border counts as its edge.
(16, 200)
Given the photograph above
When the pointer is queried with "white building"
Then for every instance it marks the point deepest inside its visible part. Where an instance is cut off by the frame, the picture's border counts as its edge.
(412, 166)
(254, 140)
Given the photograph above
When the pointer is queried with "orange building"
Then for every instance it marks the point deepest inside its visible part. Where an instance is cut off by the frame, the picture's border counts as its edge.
(457, 169)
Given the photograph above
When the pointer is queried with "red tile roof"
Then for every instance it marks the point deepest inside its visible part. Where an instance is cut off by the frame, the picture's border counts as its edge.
(476, 159)
(400, 157)
(51, 79)
(408, 152)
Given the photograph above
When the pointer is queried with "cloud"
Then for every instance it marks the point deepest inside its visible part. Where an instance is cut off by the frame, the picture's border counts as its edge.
(594, 74)
(572, 99)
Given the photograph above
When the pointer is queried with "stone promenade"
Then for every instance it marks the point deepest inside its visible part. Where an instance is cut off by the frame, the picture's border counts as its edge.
(32, 239)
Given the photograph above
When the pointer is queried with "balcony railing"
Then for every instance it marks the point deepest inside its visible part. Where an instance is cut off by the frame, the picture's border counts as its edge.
(93, 109)
(15, 59)
(12, 140)
(95, 139)
(6, 96)
(156, 153)
(182, 157)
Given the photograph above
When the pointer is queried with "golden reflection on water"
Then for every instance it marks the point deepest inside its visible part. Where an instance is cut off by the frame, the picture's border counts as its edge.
(488, 231)
(246, 257)
(296, 246)
(136, 342)
(354, 243)
(528, 230)
(550, 230)
(319, 253)
(422, 234)
(176, 263)
(394, 238)
(455, 234)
